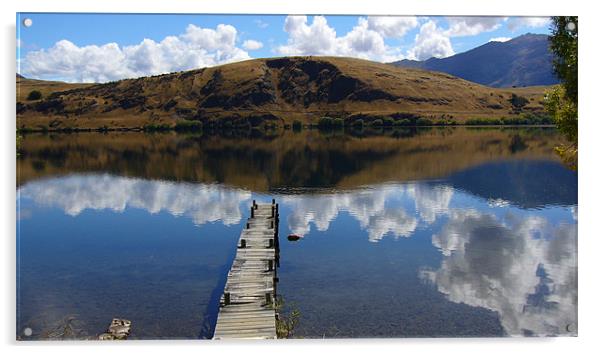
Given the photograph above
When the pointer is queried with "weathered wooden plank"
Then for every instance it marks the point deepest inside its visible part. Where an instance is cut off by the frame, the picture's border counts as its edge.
(233, 333)
(249, 250)
(235, 324)
(248, 289)
(251, 327)
(255, 314)
(246, 307)
(247, 312)
(249, 308)
(249, 316)
(251, 269)
(248, 334)
(247, 323)
(230, 317)
(248, 285)
(233, 317)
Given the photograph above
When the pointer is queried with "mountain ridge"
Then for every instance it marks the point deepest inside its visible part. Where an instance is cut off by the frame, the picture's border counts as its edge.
(522, 61)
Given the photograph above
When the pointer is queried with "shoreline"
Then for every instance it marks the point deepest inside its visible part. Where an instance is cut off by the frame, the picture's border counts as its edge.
(165, 129)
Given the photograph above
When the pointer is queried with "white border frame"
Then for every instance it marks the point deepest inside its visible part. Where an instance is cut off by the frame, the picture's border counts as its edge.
(589, 171)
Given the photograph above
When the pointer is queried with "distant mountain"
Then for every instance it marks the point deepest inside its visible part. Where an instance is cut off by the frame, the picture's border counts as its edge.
(522, 61)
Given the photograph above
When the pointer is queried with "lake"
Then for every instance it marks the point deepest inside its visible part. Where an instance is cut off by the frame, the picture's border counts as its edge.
(440, 232)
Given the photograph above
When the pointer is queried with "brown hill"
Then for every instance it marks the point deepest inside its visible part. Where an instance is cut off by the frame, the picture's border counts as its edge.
(278, 89)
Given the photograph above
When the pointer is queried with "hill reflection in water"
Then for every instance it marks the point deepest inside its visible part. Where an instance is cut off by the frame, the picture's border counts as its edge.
(310, 159)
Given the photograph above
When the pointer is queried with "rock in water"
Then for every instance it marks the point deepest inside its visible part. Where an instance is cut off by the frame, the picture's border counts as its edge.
(294, 237)
(118, 330)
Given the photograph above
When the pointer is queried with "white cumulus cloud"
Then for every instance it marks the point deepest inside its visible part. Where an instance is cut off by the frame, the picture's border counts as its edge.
(430, 42)
(392, 26)
(251, 44)
(530, 22)
(473, 25)
(305, 39)
(366, 40)
(261, 24)
(195, 48)
(500, 39)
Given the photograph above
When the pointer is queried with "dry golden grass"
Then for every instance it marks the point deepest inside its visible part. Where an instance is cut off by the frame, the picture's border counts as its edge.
(25, 86)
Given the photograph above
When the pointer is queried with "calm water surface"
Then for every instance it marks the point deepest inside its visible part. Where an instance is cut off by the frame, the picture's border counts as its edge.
(442, 232)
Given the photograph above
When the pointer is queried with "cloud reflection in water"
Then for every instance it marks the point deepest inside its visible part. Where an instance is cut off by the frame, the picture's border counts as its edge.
(522, 267)
(368, 206)
(201, 202)
(372, 208)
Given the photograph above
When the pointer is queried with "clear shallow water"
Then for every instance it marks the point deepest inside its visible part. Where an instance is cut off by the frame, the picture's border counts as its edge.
(484, 249)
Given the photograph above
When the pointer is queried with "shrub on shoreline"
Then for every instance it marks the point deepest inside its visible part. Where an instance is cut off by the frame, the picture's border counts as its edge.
(423, 122)
(157, 127)
(523, 119)
(188, 125)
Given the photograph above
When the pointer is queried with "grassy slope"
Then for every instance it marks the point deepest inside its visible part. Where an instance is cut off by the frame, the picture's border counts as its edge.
(281, 89)
(25, 86)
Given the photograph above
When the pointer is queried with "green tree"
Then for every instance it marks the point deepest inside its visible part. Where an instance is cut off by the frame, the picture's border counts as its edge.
(518, 102)
(563, 44)
(34, 95)
(562, 102)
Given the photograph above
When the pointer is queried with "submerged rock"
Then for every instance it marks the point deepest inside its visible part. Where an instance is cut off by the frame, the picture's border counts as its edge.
(119, 329)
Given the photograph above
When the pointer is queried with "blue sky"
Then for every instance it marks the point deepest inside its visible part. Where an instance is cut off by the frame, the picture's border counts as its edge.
(106, 47)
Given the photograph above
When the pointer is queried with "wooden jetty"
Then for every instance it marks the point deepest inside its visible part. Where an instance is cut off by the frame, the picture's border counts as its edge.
(247, 304)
